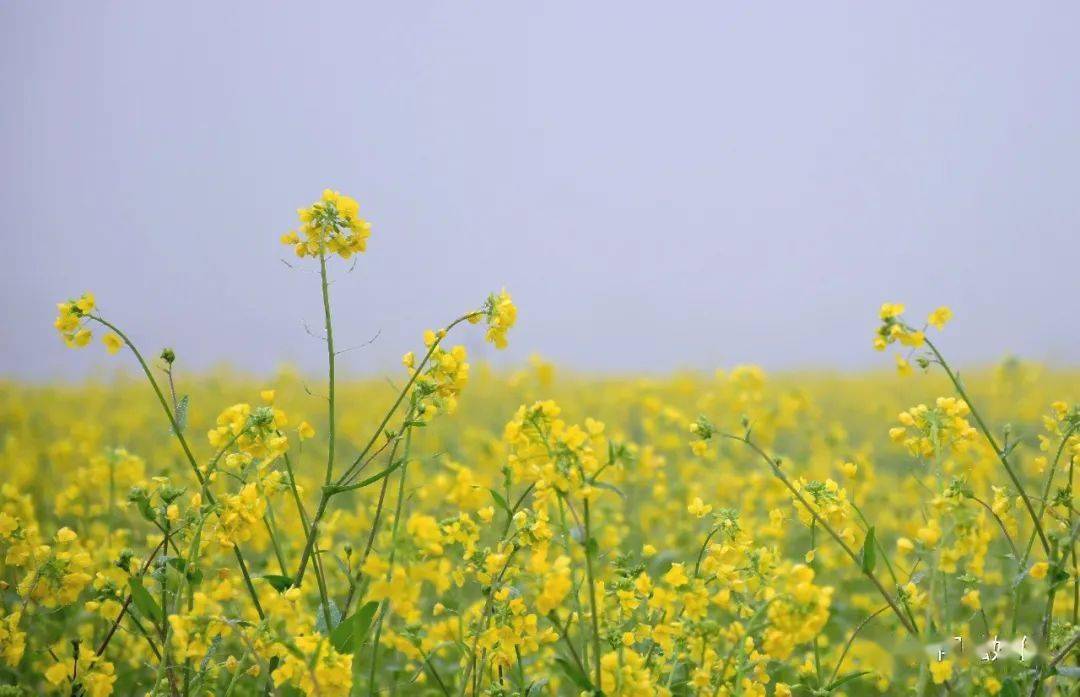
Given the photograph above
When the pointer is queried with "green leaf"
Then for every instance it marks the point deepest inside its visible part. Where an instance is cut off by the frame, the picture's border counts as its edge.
(351, 631)
(279, 582)
(848, 678)
(141, 498)
(1057, 575)
(572, 672)
(146, 509)
(181, 414)
(1010, 689)
(499, 500)
(143, 600)
(370, 480)
(869, 552)
(610, 487)
(325, 624)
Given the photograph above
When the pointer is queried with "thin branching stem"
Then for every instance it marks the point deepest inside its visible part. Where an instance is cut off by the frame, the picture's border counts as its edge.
(178, 432)
(1001, 454)
(908, 625)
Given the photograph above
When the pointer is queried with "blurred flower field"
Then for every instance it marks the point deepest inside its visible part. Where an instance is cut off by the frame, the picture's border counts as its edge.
(457, 531)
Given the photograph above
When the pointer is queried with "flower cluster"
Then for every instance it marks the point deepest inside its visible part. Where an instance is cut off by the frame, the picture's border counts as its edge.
(894, 329)
(445, 376)
(254, 432)
(939, 430)
(70, 320)
(550, 552)
(316, 668)
(501, 314)
(546, 450)
(331, 225)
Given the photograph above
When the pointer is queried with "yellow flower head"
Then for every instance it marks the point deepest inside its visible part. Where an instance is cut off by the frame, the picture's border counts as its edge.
(698, 508)
(893, 328)
(501, 315)
(891, 310)
(941, 670)
(331, 225)
(113, 343)
(70, 318)
(939, 317)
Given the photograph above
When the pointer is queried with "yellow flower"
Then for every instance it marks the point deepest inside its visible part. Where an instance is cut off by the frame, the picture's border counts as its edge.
(66, 535)
(676, 576)
(941, 670)
(86, 303)
(70, 318)
(698, 508)
(930, 533)
(939, 317)
(8, 524)
(305, 431)
(1038, 571)
(113, 343)
(501, 315)
(891, 310)
(12, 640)
(331, 225)
(59, 672)
(316, 668)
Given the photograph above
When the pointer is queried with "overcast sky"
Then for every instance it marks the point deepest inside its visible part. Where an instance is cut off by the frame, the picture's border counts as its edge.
(658, 185)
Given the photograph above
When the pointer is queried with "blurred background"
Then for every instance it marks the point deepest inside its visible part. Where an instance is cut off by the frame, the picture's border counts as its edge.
(659, 188)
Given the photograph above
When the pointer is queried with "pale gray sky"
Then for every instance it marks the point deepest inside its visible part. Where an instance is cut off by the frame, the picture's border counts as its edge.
(659, 185)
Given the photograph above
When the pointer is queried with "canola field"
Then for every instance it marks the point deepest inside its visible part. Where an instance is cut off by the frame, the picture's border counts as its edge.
(456, 531)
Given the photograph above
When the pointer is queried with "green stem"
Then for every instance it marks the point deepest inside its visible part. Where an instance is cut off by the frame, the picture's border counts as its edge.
(330, 359)
(393, 549)
(186, 448)
(554, 619)
(472, 670)
(268, 521)
(309, 544)
(910, 627)
(344, 479)
(352, 469)
(371, 533)
(1046, 489)
(592, 597)
(579, 610)
(1001, 524)
(300, 509)
(127, 603)
(993, 444)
